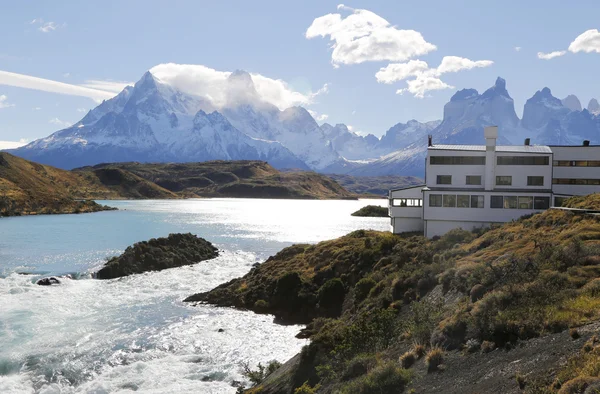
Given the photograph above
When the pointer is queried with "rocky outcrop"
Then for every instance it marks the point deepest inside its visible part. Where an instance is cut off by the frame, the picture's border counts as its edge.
(158, 254)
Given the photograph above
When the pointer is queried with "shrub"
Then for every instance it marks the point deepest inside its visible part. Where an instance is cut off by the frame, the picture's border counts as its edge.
(487, 346)
(520, 378)
(331, 296)
(363, 287)
(407, 360)
(359, 366)
(434, 358)
(261, 306)
(418, 349)
(477, 292)
(578, 385)
(472, 345)
(386, 378)
(307, 389)
(574, 333)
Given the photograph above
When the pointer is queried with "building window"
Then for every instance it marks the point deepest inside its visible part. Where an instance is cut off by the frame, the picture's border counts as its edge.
(473, 179)
(535, 181)
(462, 201)
(497, 202)
(435, 200)
(541, 202)
(444, 179)
(523, 160)
(570, 181)
(457, 160)
(407, 202)
(449, 200)
(477, 201)
(578, 163)
(525, 202)
(503, 180)
(510, 202)
(559, 201)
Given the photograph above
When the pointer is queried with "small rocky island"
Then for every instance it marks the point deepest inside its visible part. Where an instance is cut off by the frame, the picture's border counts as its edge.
(373, 211)
(158, 254)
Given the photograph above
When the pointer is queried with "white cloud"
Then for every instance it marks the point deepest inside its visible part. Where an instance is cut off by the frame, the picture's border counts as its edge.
(47, 85)
(13, 144)
(108, 86)
(425, 78)
(46, 27)
(81, 110)
(588, 41)
(4, 102)
(222, 89)
(550, 55)
(365, 36)
(60, 123)
(37, 108)
(66, 75)
(518, 49)
(318, 117)
(350, 127)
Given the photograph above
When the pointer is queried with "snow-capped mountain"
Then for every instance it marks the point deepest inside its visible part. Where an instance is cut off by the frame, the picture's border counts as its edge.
(151, 121)
(352, 146)
(546, 120)
(403, 135)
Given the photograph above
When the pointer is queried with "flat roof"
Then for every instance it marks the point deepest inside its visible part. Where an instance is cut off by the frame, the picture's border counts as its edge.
(499, 148)
(408, 187)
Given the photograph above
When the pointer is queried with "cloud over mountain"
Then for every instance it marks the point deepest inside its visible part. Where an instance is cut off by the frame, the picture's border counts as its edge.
(365, 36)
(588, 41)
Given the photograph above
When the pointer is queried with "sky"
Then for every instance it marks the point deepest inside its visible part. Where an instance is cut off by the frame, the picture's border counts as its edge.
(368, 64)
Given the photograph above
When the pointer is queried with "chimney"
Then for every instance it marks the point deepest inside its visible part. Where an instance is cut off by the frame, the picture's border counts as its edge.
(429, 140)
(527, 141)
(491, 134)
(586, 142)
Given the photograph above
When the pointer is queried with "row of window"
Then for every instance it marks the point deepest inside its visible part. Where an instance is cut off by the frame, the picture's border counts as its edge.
(568, 181)
(456, 201)
(407, 202)
(500, 160)
(500, 180)
(576, 163)
(477, 201)
(519, 202)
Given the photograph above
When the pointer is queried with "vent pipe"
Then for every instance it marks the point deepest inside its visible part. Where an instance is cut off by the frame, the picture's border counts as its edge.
(429, 140)
(491, 134)
(527, 141)
(586, 142)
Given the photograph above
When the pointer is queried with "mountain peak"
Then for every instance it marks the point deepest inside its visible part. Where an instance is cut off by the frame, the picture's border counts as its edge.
(464, 94)
(594, 107)
(499, 89)
(572, 102)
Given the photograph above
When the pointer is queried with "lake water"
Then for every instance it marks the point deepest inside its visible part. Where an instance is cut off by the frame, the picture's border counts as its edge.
(135, 334)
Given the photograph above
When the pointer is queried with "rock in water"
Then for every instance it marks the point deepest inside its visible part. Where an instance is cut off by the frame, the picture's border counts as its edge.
(48, 281)
(158, 254)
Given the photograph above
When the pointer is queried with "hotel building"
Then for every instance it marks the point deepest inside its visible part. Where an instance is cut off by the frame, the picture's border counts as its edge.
(471, 186)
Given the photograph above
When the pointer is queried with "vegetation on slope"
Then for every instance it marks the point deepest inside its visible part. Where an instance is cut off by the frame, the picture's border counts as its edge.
(372, 211)
(157, 254)
(249, 179)
(378, 185)
(370, 297)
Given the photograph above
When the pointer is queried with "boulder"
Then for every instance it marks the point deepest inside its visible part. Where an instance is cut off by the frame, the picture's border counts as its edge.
(157, 254)
(48, 281)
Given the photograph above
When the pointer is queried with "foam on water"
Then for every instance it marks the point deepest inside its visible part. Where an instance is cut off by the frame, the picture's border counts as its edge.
(134, 333)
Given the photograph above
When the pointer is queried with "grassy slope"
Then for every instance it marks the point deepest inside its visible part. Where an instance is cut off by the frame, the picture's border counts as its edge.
(30, 188)
(251, 179)
(368, 297)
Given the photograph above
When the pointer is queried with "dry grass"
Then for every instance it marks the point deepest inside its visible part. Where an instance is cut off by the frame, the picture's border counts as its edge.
(434, 358)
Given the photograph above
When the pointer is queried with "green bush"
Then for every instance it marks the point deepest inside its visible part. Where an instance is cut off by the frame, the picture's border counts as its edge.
(362, 288)
(331, 296)
(385, 378)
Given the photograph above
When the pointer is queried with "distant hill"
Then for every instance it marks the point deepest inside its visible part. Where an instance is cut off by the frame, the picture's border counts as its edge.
(379, 185)
(242, 179)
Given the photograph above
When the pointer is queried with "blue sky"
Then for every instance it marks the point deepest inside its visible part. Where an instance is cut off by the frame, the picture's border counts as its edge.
(99, 43)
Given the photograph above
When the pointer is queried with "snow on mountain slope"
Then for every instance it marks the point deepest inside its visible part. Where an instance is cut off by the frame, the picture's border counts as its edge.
(351, 145)
(403, 135)
(153, 122)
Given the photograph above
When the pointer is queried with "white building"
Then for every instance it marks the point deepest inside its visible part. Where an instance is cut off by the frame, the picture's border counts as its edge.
(470, 186)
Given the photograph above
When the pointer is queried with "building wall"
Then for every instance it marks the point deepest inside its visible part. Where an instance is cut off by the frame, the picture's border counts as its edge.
(486, 214)
(575, 153)
(405, 219)
(459, 172)
(520, 173)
